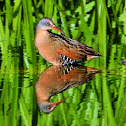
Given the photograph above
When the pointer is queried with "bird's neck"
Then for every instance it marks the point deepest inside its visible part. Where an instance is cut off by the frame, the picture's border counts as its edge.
(41, 37)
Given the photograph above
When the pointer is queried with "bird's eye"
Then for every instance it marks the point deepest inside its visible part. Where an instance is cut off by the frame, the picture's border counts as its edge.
(48, 108)
(47, 23)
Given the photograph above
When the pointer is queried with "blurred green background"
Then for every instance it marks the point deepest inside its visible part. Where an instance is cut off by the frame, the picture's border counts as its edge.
(97, 23)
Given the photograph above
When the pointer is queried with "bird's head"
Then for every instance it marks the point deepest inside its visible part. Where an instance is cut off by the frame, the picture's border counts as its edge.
(46, 24)
(49, 107)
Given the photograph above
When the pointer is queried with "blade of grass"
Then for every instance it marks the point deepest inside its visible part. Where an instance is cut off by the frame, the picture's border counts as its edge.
(24, 112)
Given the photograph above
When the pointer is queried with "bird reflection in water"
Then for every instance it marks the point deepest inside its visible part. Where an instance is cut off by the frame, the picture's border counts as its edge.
(56, 79)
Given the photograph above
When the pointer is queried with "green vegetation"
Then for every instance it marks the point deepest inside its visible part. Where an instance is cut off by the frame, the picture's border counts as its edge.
(100, 24)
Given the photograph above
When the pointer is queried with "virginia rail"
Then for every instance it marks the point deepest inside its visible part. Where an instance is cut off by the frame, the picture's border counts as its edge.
(57, 79)
(60, 50)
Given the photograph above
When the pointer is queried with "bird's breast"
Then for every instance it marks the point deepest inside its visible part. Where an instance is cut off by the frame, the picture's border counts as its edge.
(46, 46)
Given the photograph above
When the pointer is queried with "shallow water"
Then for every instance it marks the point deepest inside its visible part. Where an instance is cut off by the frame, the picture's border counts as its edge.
(95, 95)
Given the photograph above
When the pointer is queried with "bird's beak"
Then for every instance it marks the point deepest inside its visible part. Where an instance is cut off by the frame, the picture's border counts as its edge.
(57, 29)
(56, 103)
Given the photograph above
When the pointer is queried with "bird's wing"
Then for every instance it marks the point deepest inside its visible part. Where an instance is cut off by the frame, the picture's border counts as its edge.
(72, 48)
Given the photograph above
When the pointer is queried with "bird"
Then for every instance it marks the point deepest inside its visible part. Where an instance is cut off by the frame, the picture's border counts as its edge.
(123, 62)
(58, 49)
(56, 79)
